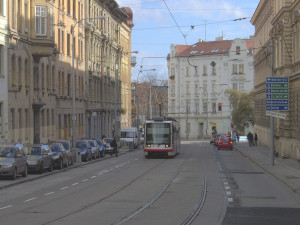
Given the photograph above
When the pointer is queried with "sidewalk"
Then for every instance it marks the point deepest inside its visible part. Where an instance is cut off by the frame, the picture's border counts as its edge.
(287, 171)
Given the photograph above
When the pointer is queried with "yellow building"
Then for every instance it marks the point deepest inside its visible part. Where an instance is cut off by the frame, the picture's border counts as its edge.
(278, 21)
(31, 59)
(126, 65)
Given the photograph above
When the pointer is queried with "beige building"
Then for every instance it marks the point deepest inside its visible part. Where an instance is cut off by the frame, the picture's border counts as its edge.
(126, 64)
(279, 21)
(104, 67)
(68, 14)
(31, 74)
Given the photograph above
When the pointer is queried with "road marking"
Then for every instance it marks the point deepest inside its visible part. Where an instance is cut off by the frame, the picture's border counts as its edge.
(50, 193)
(31, 199)
(226, 183)
(5, 207)
(93, 177)
(84, 180)
(75, 184)
(228, 192)
(227, 187)
(63, 188)
(230, 199)
(99, 174)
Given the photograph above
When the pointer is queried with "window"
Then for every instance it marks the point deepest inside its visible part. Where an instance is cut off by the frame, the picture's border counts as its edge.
(19, 16)
(74, 9)
(26, 71)
(20, 124)
(197, 89)
(20, 71)
(188, 88)
(41, 20)
(68, 45)
(1, 117)
(69, 85)
(214, 107)
(13, 14)
(187, 71)
(234, 86)
(234, 68)
(238, 50)
(1, 7)
(62, 41)
(68, 7)
(205, 107)
(13, 70)
(196, 107)
(241, 69)
(26, 124)
(1, 60)
(213, 86)
(204, 70)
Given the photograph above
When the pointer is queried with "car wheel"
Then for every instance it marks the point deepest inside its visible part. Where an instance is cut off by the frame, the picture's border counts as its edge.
(24, 174)
(14, 176)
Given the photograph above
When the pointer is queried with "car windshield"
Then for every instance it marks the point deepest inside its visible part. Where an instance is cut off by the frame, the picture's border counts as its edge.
(81, 145)
(35, 151)
(55, 148)
(8, 153)
(92, 144)
(65, 144)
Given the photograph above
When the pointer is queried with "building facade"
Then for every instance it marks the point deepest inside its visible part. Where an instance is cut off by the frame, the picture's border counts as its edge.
(3, 73)
(36, 43)
(31, 78)
(278, 22)
(199, 75)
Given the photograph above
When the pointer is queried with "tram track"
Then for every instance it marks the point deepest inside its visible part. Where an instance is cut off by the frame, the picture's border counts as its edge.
(85, 207)
(198, 207)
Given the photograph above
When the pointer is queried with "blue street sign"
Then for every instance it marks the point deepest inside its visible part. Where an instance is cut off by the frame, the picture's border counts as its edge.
(277, 93)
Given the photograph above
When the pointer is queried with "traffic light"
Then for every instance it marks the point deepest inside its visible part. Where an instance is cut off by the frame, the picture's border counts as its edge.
(220, 106)
(232, 124)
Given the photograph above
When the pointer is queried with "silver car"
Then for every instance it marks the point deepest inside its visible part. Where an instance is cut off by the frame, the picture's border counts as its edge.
(40, 157)
(13, 161)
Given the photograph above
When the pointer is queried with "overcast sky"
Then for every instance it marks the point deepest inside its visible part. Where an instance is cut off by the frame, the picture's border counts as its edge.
(160, 23)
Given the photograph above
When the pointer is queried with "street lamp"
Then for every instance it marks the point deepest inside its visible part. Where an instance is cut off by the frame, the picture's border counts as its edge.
(116, 127)
(73, 85)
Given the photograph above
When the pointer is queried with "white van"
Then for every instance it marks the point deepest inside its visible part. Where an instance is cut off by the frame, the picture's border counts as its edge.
(130, 135)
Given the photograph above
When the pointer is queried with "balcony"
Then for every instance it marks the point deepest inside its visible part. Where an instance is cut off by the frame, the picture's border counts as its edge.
(42, 47)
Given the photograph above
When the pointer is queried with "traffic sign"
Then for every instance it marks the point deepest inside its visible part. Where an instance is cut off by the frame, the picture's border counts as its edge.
(277, 93)
(276, 114)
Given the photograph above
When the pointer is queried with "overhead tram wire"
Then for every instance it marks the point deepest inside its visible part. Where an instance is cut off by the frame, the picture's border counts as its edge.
(198, 25)
(184, 36)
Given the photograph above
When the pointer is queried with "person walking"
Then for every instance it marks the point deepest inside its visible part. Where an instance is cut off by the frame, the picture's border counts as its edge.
(114, 144)
(255, 139)
(238, 137)
(250, 138)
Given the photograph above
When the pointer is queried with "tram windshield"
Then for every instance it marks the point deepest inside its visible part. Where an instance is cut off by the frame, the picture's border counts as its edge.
(158, 133)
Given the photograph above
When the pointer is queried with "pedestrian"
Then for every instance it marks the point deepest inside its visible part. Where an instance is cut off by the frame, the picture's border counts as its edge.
(104, 140)
(250, 138)
(255, 139)
(238, 137)
(114, 145)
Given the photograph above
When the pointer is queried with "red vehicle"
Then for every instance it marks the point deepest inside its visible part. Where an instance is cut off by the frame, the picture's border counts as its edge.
(161, 137)
(225, 142)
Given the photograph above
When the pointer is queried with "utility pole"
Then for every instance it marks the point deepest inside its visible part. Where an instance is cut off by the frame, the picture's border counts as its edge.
(271, 117)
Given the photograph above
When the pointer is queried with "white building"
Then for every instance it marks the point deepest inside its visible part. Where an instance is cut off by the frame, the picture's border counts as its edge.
(3, 73)
(199, 75)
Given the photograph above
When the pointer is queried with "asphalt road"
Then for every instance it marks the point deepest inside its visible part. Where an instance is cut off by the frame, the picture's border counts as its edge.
(201, 185)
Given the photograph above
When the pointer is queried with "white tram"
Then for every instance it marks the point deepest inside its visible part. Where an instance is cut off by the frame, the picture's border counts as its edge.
(162, 136)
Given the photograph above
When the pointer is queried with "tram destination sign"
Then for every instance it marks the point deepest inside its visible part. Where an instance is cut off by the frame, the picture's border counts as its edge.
(277, 93)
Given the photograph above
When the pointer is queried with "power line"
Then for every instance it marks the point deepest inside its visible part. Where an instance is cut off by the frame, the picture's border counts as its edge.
(184, 37)
(168, 27)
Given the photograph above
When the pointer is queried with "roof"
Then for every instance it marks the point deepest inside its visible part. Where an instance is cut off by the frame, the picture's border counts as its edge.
(209, 48)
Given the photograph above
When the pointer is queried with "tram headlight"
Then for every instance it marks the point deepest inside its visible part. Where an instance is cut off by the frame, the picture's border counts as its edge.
(148, 146)
(167, 146)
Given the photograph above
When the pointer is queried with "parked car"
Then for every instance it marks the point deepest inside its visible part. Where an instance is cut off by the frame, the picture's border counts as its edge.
(60, 158)
(94, 148)
(40, 157)
(13, 161)
(108, 148)
(101, 147)
(84, 148)
(70, 152)
(225, 142)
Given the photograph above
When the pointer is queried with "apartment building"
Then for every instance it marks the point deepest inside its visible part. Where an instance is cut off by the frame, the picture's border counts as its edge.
(3, 73)
(199, 75)
(31, 79)
(278, 21)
